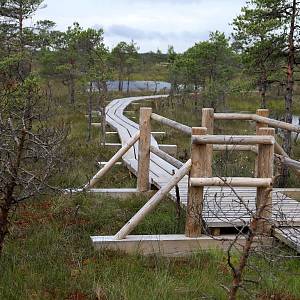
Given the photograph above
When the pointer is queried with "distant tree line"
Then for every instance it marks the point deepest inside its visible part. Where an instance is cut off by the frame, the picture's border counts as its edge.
(208, 66)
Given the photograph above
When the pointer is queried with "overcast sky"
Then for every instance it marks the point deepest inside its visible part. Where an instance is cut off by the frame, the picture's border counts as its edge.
(153, 24)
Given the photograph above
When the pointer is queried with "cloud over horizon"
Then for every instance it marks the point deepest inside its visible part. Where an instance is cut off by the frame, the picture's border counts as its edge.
(152, 24)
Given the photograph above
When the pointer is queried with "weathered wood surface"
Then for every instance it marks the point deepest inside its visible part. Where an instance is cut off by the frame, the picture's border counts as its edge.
(143, 182)
(291, 163)
(231, 181)
(259, 119)
(235, 148)
(96, 124)
(130, 143)
(178, 126)
(222, 207)
(170, 149)
(201, 167)
(116, 145)
(167, 245)
(289, 236)
(233, 116)
(234, 139)
(119, 193)
(208, 123)
(153, 202)
(165, 156)
(276, 124)
(265, 169)
(104, 163)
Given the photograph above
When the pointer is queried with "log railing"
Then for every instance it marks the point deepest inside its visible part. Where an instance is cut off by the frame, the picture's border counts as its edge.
(200, 175)
(143, 137)
(173, 124)
(199, 167)
(113, 161)
(259, 119)
(199, 170)
(153, 202)
(262, 121)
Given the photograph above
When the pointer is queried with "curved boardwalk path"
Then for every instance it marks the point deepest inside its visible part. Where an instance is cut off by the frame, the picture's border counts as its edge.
(160, 170)
(222, 207)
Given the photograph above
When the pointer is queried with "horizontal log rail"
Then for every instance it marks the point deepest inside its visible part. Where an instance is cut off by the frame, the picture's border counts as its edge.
(234, 148)
(113, 160)
(233, 116)
(290, 163)
(257, 118)
(173, 124)
(276, 124)
(229, 116)
(165, 156)
(231, 181)
(233, 139)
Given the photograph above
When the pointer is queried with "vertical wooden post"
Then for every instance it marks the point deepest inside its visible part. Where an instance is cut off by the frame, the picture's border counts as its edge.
(103, 125)
(143, 184)
(195, 197)
(265, 165)
(262, 113)
(208, 122)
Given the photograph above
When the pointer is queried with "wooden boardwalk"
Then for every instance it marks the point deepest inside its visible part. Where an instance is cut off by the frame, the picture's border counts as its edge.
(222, 207)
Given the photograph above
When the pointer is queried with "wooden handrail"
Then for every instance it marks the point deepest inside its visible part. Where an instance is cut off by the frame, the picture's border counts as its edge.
(165, 156)
(234, 139)
(233, 116)
(113, 160)
(279, 150)
(276, 124)
(153, 202)
(257, 118)
(231, 181)
(287, 161)
(234, 148)
(229, 116)
(178, 126)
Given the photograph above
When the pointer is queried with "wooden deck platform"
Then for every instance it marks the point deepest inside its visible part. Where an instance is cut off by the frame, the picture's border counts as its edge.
(222, 206)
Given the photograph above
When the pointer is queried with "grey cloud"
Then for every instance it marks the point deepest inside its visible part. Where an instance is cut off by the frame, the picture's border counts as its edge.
(128, 32)
(131, 32)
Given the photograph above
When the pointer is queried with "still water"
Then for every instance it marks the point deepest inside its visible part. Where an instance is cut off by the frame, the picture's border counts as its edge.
(139, 85)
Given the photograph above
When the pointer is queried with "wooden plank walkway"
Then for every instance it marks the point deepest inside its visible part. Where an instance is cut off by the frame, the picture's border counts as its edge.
(222, 207)
(289, 236)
